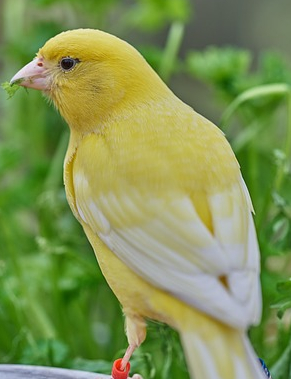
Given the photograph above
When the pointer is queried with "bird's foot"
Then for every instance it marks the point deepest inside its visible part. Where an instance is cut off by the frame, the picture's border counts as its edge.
(127, 356)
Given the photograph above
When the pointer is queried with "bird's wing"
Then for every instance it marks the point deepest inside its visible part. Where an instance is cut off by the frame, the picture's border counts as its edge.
(165, 242)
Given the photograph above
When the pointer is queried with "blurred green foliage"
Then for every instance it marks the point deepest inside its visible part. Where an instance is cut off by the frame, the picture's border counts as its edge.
(55, 307)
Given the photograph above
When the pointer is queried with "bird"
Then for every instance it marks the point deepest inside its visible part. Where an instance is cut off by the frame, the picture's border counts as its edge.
(161, 198)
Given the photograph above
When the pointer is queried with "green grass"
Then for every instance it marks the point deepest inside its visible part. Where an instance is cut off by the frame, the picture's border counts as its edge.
(55, 307)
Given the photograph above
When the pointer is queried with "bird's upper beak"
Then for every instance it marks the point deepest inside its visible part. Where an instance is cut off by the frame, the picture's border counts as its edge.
(33, 75)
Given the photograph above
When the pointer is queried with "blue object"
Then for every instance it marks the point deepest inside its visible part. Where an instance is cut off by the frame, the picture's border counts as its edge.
(265, 368)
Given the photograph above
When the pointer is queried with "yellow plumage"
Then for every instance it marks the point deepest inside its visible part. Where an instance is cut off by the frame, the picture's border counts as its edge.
(160, 196)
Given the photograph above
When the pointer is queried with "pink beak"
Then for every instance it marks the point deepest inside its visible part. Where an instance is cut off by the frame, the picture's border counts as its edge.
(33, 75)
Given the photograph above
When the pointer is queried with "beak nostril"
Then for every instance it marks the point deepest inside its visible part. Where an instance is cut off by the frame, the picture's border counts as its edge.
(32, 75)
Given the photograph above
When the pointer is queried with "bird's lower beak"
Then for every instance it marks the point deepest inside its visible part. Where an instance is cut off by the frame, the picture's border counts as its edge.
(33, 75)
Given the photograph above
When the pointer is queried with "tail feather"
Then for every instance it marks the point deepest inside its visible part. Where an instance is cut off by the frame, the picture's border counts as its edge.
(219, 352)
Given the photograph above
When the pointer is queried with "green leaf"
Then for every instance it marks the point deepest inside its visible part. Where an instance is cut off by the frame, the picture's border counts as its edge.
(11, 89)
(155, 14)
(219, 66)
(276, 89)
(282, 368)
(284, 287)
(273, 68)
(281, 229)
(283, 306)
(46, 352)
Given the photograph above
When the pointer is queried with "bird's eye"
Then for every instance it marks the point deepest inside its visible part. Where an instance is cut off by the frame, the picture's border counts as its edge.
(67, 64)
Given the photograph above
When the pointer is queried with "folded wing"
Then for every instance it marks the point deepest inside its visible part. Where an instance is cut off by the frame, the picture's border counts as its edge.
(165, 242)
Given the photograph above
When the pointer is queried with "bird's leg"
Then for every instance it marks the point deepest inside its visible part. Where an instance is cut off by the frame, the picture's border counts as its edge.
(127, 356)
(136, 333)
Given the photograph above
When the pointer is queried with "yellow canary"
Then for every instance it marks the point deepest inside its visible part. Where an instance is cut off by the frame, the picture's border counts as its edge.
(161, 199)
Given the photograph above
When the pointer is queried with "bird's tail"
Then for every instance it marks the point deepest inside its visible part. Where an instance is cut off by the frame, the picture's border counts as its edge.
(216, 351)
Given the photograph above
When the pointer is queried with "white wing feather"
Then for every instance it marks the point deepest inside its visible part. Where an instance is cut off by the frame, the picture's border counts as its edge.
(169, 246)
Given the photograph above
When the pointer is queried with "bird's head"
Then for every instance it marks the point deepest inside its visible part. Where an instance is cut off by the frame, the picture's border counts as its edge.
(89, 75)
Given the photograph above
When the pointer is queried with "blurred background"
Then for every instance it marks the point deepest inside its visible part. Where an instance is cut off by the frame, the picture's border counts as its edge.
(230, 60)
